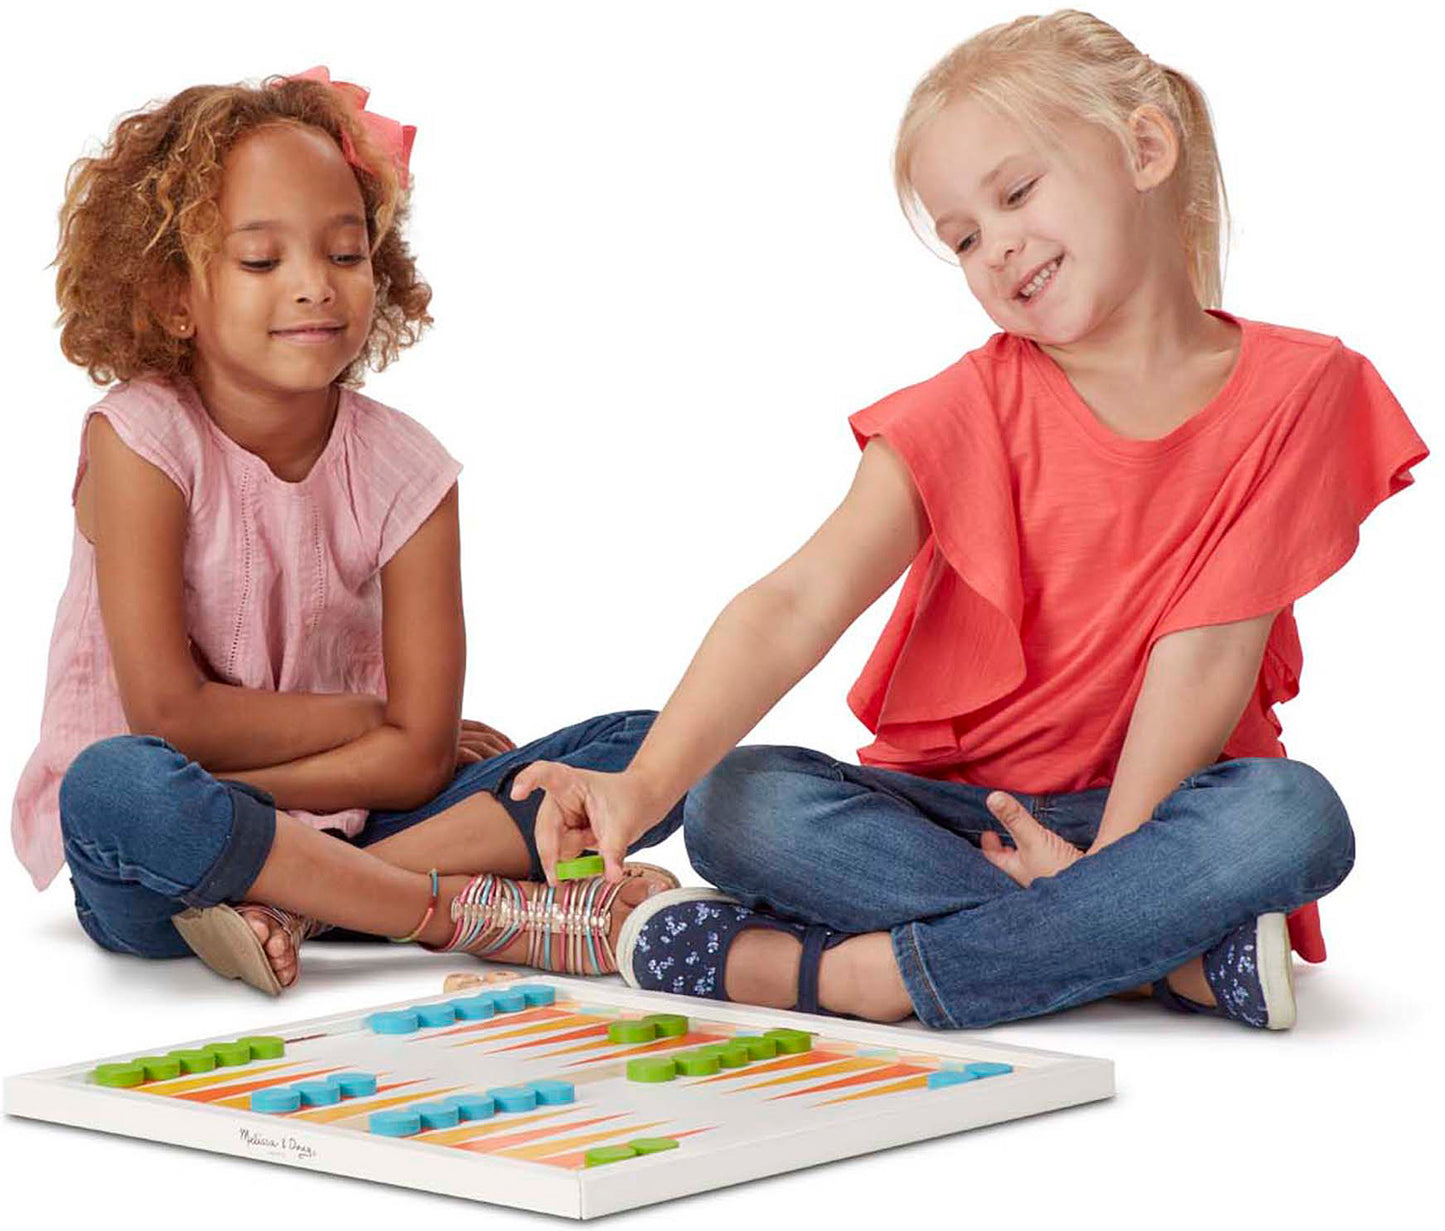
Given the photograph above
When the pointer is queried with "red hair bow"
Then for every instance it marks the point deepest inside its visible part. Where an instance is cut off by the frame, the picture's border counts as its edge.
(390, 136)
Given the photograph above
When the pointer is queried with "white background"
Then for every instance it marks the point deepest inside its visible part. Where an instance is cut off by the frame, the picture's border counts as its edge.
(667, 265)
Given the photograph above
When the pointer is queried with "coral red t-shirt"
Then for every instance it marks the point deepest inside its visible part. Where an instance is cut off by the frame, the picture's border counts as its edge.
(1061, 551)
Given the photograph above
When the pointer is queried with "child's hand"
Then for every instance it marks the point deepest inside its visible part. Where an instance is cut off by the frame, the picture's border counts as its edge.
(584, 810)
(1038, 851)
(476, 742)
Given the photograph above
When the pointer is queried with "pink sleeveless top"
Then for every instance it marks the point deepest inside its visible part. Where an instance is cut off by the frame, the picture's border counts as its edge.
(282, 580)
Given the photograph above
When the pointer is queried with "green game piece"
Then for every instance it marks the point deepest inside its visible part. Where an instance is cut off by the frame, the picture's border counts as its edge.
(758, 1047)
(697, 1063)
(735, 1055)
(118, 1074)
(159, 1068)
(631, 1032)
(790, 1041)
(651, 1068)
(669, 1025)
(264, 1046)
(195, 1060)
(577, 869)
(729, 1054)
(600, 1155)
(230, 1053)
(653, 1145)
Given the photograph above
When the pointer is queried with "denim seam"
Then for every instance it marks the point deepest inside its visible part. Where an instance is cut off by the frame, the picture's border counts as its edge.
(915, 952)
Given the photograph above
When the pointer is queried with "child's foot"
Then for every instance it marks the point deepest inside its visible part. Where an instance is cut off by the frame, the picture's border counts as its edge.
(275, 940)
(506, 902)
(1250, 974)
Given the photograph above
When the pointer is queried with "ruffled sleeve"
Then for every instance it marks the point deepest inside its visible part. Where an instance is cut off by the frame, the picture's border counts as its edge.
(1293, 514)
(952, 643)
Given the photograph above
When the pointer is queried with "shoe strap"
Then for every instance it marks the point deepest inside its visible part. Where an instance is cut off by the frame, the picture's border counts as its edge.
(815, 940)
(566, 925)
(298, 927)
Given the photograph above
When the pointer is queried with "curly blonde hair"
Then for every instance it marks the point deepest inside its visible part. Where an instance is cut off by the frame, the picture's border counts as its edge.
(1037, 70)
(144, 214)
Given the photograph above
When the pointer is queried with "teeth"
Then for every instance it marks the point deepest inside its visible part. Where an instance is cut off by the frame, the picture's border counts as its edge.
(1043, 276)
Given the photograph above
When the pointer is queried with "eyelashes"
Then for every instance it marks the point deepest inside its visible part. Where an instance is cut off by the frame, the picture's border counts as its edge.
(1018, 193)
(261, 267)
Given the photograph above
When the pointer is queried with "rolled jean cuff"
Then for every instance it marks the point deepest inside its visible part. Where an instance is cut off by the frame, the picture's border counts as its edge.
(927, 1004)
(253, 829)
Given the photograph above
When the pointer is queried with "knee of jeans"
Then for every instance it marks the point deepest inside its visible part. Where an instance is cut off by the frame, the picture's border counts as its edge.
(99, 773)
(740, 812)
(1308, 828)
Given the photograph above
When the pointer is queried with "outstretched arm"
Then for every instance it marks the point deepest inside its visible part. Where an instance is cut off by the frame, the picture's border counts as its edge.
(764, 641)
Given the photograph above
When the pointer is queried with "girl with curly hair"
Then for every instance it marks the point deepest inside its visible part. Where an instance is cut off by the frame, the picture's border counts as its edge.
(252, 732)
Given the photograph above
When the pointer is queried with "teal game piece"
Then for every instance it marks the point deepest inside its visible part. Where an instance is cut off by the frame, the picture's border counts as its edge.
(513, 1098)
(354, 1085)
(474, 1008)
(473, 1106)
(537, 995)
(580, 868)
(989, 1068)
(509, 1001)
(276, 1100)
(431, 1015)
(404, 1021)
(394, 1123)
(437, 1115)
(318, 1093)
(949, 1077)
(554, 1093)
(599, 1156)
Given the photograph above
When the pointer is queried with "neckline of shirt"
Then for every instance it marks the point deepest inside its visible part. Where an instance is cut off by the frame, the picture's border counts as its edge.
(339, 426)
(1147, 450)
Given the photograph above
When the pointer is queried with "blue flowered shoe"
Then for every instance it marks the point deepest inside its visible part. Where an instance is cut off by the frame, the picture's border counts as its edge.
(677, 941)
(1251, 975)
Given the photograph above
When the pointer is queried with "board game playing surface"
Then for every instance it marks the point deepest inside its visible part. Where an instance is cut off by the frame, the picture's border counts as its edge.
(555, 1094)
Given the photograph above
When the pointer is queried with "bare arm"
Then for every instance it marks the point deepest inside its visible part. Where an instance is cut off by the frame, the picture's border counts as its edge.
(764, 641)
(136, 519)
(1196, 686)
(413, 753)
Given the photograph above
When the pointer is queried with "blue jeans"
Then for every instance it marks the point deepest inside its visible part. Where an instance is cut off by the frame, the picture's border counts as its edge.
(149, 833)
(859, 849)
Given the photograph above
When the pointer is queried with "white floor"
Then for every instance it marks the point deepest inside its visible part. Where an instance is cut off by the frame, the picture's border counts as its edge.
(1331, 1124)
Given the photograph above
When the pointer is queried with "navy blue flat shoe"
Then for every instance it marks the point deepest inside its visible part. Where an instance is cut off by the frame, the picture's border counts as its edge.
(678, 940)
(1251, 974)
